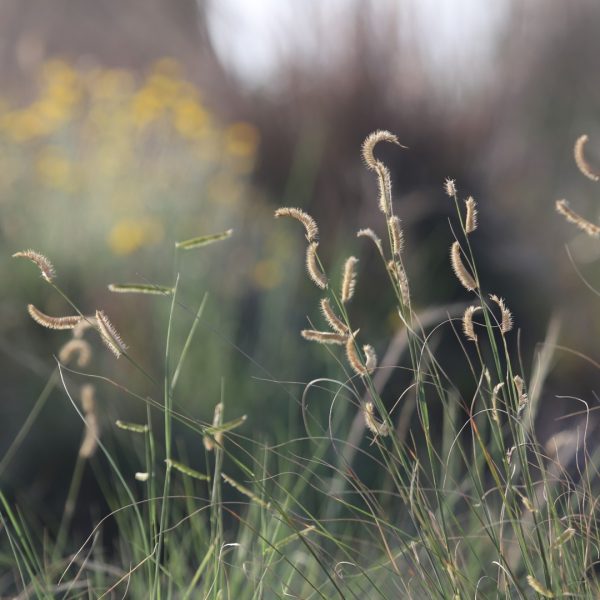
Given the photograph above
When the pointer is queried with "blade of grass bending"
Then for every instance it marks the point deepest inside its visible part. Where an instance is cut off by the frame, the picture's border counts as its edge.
(168, 426)
(188, 341)
(136, 288)
(199, 571)
(203, 240)
(31, 417)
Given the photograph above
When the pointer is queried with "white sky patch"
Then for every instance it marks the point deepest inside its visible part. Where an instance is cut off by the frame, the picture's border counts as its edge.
(457, 37)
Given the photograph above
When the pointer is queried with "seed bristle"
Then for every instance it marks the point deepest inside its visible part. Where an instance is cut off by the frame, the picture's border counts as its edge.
(460, 270)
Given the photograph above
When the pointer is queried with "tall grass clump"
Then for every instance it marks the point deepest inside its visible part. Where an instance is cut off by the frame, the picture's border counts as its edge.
(433, 487)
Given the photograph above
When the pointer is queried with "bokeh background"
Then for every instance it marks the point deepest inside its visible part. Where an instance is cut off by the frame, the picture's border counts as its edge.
(126, 126)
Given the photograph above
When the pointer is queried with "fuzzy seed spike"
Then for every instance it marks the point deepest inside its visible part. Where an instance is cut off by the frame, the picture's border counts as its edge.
(471, 218)
(349, 279)
(310, 225)
(460, 270)
(369, 146)
(354, 359)
(332, 319)
(76, 346)
(468, 326)
(397, 235)
(506, 323)
(450, 187)
(371, 358)
(581, 161)
(317, 276)
(44, 265)
(324, 337)
(373, 236)
(109, 334)
(52, 322)
(376, 427)
(562, 207)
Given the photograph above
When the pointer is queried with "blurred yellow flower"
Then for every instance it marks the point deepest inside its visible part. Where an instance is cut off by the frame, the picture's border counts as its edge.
(54, 169)
(129, 234)
(241, 139)
(190, 118)
(267, 274)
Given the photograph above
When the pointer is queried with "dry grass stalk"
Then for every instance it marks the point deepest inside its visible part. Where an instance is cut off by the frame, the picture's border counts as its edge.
(209, 440)
(45, 266)
(92, 431)
(332, 319)
(310, 225)
(317, 276)
(506, 324)
(324, 337)
(367, 232)
(460, 270)
(471, 218)
(76, 346)
(52, 322)
(374, 426)
(397, 235)
(349, 279)
(468, 326)
(580, 160)
(109, 334)
(562, 207)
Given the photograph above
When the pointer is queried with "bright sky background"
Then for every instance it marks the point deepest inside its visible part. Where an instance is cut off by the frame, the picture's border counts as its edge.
(456, 34)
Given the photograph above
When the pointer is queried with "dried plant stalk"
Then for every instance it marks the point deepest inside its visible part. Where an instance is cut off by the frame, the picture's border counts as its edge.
(332, 319)
(79, 347)
(460, 270)
(318, 277)
(468, 326)
(310, 225)
(324, 337)
(52, 322)
(349, 279)
(44, 265)
(109, 334)
(471, 218)
(581, 161)
(562, 207)
(397, 235)
(506, 324)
